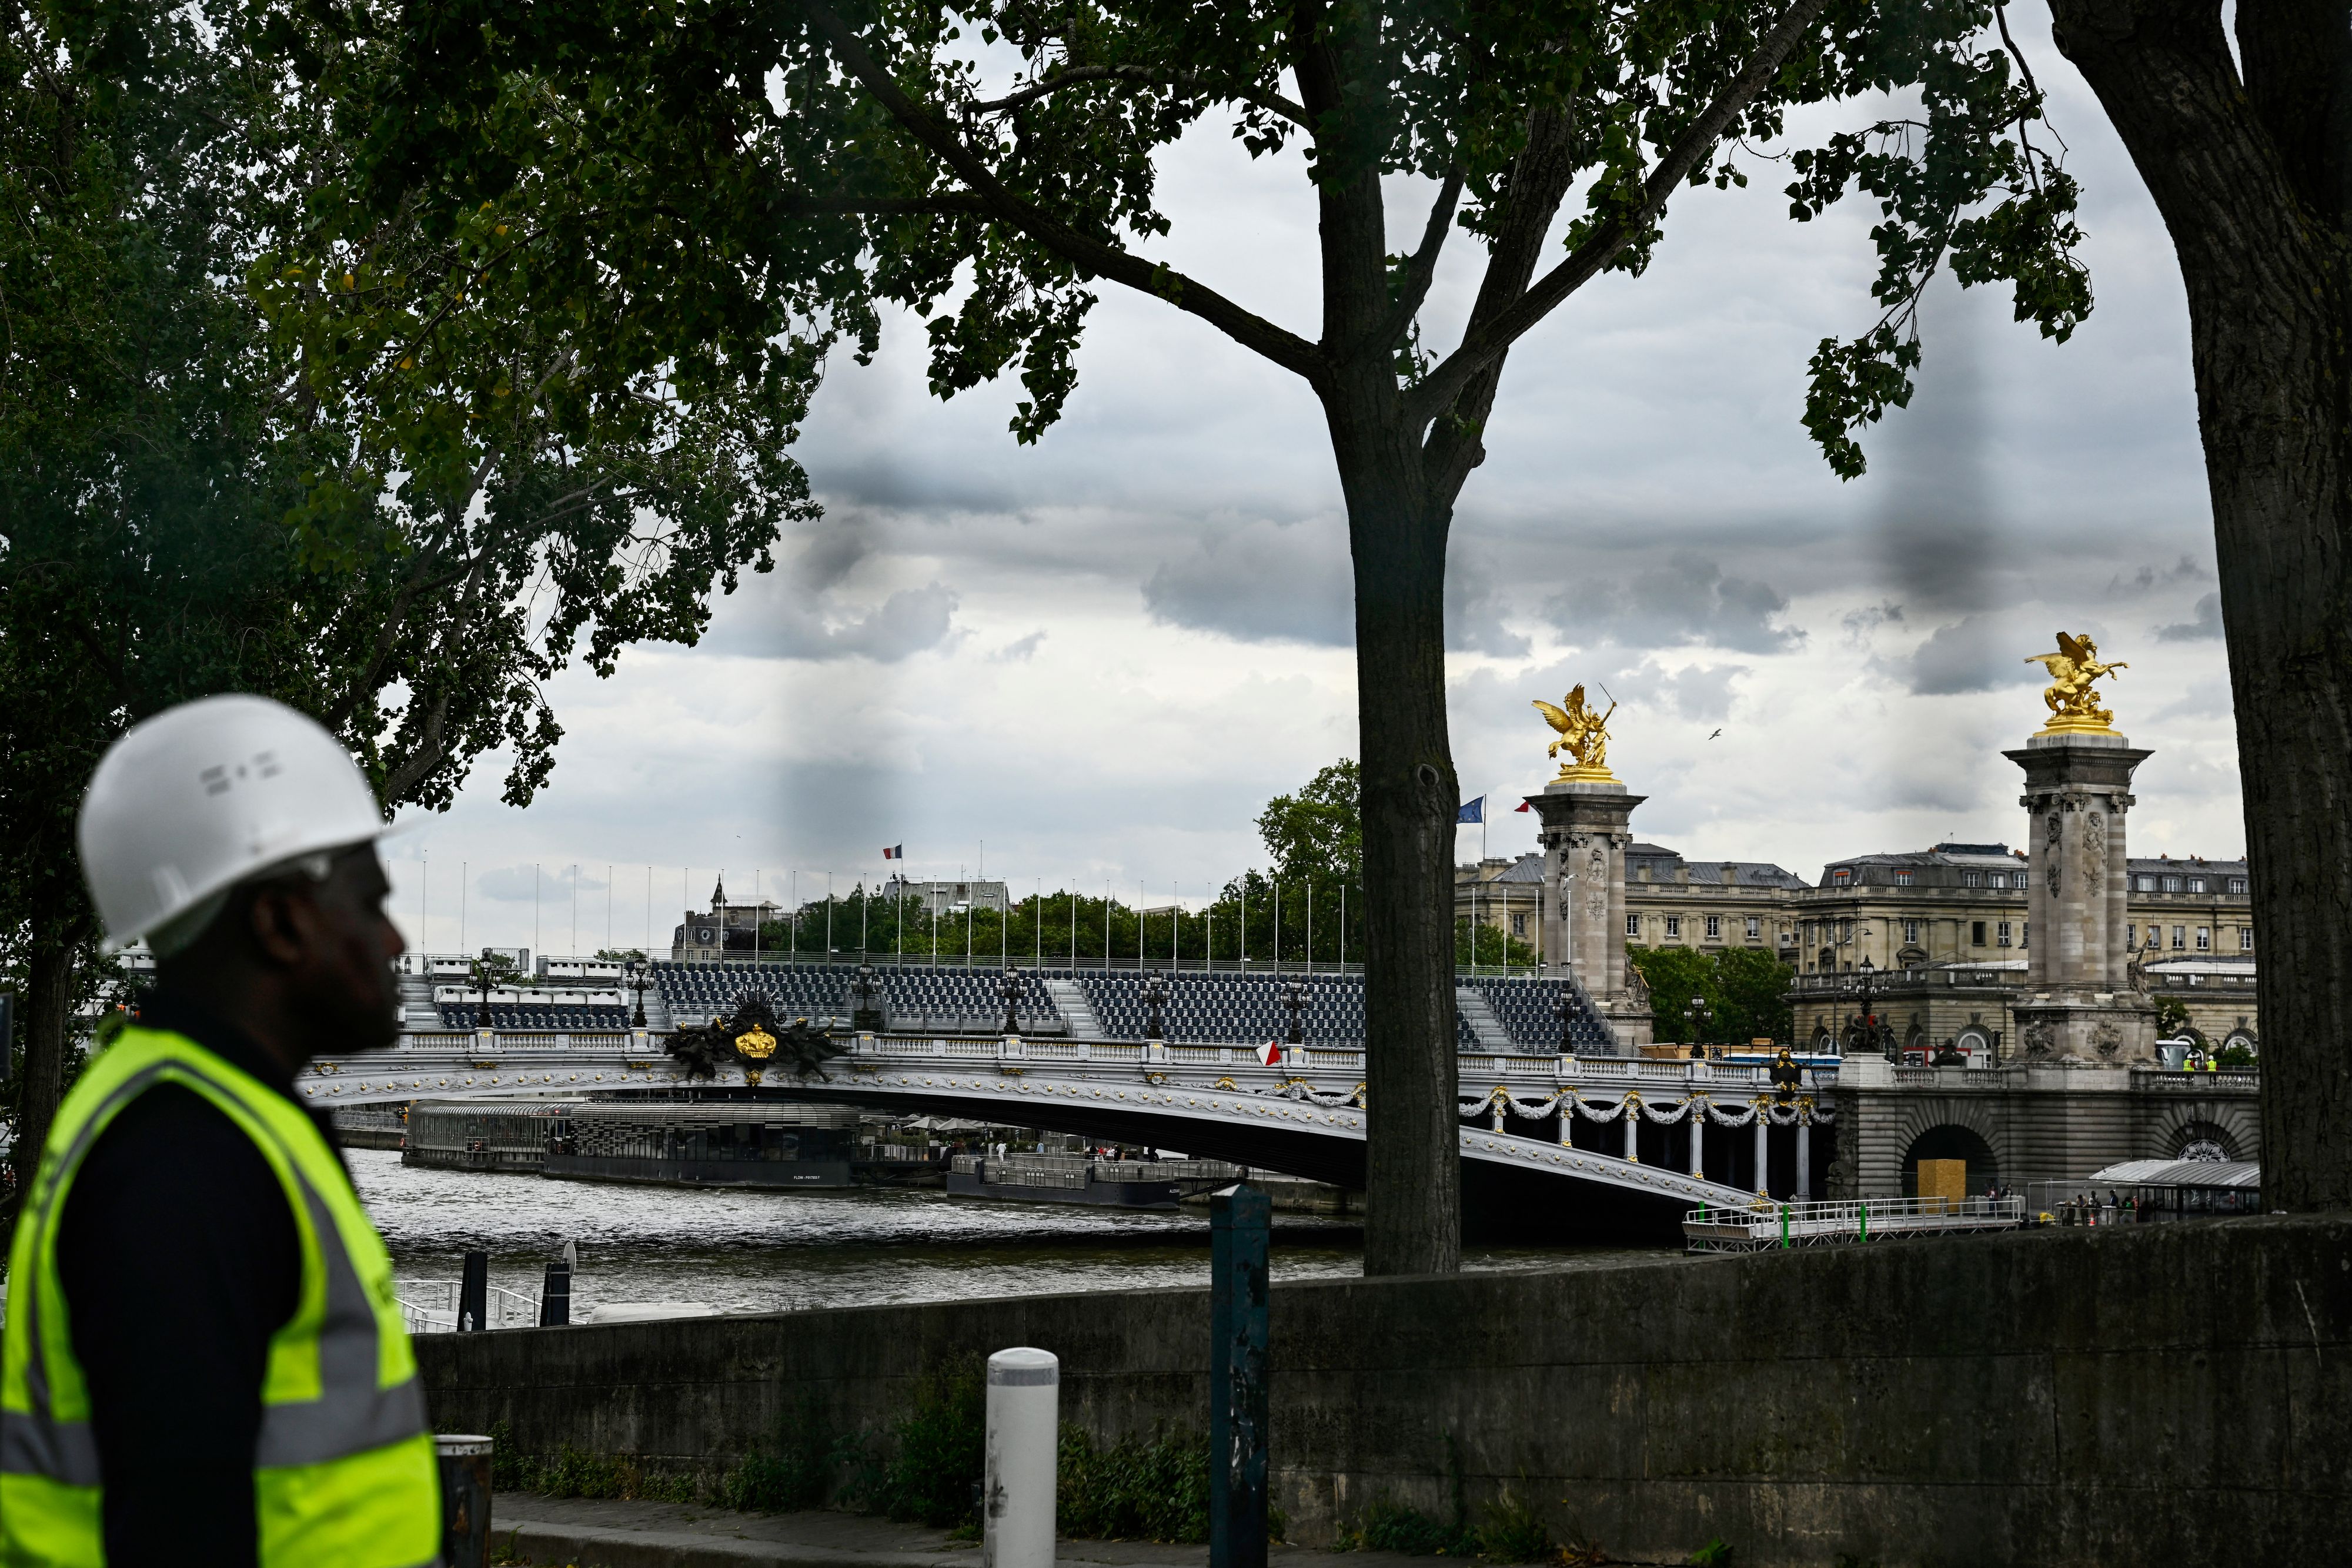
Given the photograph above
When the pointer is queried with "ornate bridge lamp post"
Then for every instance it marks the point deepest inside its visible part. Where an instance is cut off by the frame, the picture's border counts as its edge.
(1294, 1002)
(636, 975)
(864, 987)
(1010, 989)
(1563, 1002)
(1155, 999)
(1699, 1023)
(482, 984)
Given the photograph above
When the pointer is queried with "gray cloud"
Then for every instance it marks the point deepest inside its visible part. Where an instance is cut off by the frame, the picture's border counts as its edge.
(1684, 599)
(520, 883)
(2200, 699)
(1474, 605)
(1975, 655)
(1860, 624)
(2147, 578)
(1262, 584)
(2205, 628)
(1934, 526)
(1704, 691)
(1019, 650)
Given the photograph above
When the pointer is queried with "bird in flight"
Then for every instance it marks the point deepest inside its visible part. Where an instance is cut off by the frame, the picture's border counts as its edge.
(1712, 736)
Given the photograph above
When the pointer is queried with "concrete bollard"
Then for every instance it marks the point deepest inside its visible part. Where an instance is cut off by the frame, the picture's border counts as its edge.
(1024, 1390)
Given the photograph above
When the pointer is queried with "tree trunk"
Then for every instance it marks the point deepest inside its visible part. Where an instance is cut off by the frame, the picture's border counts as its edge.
(2249, 175)
(1412, 1186)
(48, 997)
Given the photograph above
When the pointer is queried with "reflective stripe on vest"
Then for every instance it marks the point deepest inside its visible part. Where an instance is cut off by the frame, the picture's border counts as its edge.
(343, 1456)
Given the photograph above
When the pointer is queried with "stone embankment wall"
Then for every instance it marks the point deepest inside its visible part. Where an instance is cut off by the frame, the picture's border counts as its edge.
(2169, 1394)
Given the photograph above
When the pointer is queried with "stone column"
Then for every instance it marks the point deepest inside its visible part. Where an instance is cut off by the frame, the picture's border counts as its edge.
(1695, 1114)
(1804, 1154)
(1763, 1153)
(1584, 836)
(2077, 1008)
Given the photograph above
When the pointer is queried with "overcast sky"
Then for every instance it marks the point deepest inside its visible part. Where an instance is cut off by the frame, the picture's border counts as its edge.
(1099, 655)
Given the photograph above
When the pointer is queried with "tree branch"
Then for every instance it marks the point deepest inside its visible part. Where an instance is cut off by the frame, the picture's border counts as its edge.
(1481, 345)
(1090, 254)
(1419, 267)
(1237, 93)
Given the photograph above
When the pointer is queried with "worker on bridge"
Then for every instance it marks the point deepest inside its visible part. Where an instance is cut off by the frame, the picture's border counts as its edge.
(203, 1362)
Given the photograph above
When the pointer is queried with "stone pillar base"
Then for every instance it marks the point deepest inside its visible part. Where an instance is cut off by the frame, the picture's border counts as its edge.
(1632, 1024)
(2092, 1030)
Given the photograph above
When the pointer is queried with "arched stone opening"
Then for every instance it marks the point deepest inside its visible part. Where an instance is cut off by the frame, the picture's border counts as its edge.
(1951, 1142)
(2203, 1141)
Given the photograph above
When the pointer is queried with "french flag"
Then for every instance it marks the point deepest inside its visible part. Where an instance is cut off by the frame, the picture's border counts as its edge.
(894, 852)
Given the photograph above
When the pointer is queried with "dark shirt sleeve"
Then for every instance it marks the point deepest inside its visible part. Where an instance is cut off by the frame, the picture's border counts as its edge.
(179, 1259)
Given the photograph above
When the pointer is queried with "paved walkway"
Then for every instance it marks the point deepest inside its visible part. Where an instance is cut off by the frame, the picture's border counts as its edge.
(581, 1532)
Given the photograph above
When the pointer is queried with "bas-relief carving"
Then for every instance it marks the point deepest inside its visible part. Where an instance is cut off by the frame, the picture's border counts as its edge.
(2108, 1038)
(2041, 1038)
(2095, 848)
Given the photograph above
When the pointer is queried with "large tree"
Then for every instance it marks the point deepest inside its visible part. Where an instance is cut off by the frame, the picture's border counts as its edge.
(990, 164)
(2248, 157)
(250, 440)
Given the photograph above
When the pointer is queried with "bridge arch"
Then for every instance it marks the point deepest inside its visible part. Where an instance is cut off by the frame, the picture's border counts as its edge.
(1953, 1130)
(2205, 1131)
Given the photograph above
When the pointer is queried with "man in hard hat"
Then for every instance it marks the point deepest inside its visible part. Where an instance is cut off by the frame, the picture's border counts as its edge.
(204, 1361)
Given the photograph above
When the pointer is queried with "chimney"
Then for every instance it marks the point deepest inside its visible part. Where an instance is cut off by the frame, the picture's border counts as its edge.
(1731, 873)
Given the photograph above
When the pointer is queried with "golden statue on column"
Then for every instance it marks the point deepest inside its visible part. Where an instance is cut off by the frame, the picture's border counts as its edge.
(2074, 706)
(1584, 736)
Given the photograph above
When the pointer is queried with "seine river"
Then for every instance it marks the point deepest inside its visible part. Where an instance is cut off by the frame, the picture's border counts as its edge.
(777, 1251)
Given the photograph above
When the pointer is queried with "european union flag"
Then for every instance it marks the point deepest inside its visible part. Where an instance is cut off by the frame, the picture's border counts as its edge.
(1472, 810)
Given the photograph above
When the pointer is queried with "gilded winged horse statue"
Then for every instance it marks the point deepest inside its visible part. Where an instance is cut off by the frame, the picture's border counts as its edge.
(1583, 734)
(2074, 706)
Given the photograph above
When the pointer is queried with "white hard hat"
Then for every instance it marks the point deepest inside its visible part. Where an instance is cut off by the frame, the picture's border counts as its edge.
(189, 803)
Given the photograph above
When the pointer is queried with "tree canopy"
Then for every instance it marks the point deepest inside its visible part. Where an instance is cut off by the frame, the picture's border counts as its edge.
(252, 440)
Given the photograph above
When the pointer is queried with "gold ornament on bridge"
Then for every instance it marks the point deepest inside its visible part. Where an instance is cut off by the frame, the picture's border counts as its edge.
(754, 1045)
(2074, 706)
(1584, 736)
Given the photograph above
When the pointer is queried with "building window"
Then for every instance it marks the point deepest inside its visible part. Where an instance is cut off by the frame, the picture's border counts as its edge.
(2019, 879)
(2204, 939)
(2179, 938)
(1911, 931)
(1976, 933)
(2131, 937)
(1906, 878)
(2237, 884)
(1673, 926)
(2245, 938)
(1971, 879)
(1518, 924)
(1755, 926)
(1715, 927)
(2144, 883)
(1841, 876)
(2172, 884)
(2196, 885)
(2004, 934)
(2025, 934)
(1632, 925)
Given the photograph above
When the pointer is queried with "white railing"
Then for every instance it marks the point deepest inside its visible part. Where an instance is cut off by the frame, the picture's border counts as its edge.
(1837, 1221)
(430, 1306)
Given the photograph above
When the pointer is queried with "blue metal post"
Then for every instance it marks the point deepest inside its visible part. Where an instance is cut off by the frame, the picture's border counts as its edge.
(1238, 1223)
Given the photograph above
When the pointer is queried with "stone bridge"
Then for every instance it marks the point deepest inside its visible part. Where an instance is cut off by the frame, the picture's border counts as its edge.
(1551, 1145)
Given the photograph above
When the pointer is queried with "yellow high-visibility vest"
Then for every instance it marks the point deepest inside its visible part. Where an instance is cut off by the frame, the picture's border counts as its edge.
(344, 1475)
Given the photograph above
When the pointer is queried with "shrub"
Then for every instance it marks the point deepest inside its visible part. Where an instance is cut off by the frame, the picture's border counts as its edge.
(1135, 1489)
(932, 1477)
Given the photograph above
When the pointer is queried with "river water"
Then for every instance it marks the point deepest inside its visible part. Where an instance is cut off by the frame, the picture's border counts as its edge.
(778, 1251)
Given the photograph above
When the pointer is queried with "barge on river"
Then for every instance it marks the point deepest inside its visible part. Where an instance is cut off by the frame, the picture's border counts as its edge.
(1083, 1179)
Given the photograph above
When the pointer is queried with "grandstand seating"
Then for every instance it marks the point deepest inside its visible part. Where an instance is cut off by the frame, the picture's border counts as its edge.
(942, 999)
(461, 1015)
(1228, 1008)
(1528, 1012)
